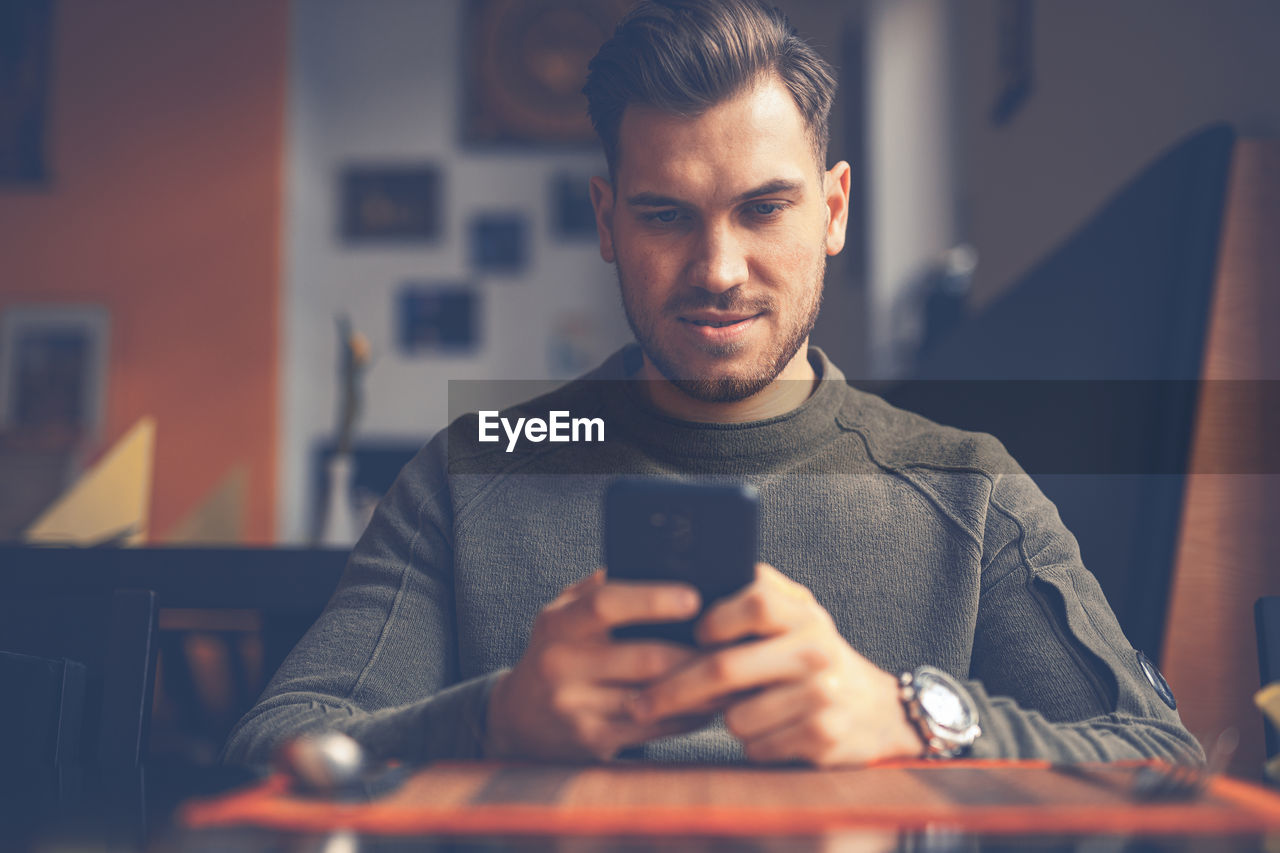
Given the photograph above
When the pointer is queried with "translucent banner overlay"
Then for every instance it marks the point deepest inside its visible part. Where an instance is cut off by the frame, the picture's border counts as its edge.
(1050, 427)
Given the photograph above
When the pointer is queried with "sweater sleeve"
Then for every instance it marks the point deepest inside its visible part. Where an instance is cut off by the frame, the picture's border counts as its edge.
(381, 662)
(1052, 673)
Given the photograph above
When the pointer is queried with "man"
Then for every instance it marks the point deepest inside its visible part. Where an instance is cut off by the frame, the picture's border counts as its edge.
(926, 599)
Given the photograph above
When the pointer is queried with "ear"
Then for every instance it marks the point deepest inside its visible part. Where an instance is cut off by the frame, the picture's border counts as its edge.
(602, 201)
(836, 186)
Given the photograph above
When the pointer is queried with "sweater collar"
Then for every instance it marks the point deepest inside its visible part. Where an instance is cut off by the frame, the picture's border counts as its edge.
(792, 434)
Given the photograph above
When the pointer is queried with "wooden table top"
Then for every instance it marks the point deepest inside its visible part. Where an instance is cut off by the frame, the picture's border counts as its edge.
(666, 800)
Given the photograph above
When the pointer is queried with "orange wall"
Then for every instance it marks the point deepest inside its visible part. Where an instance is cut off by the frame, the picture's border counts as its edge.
(165, 148)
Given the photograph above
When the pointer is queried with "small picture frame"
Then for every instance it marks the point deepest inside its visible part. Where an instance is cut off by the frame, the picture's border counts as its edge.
(499, 243)
(26, 51)
(573, 217)
(383, 204)
(438, 318)
(53, 369)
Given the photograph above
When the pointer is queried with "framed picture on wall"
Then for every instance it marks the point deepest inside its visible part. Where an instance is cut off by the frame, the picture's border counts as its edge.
(53, 369)
(499, 243)
(438, 318)
(526, 65)
(572, 216)
(26, 44)
(391, 204)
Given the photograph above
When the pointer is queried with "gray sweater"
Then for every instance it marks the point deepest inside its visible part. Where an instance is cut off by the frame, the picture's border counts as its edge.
(926, 544)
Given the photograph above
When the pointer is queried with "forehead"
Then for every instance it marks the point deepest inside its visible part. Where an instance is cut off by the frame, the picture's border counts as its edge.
(756, 136)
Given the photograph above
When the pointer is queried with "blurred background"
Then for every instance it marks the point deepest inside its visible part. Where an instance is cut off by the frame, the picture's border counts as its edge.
(245, 244)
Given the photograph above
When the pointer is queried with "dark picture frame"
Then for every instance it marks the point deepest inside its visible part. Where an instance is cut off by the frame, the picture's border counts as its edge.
(573, 219)
(54, 369)
(386, 203)
(499, 243)
(26, 46)
(441, 317)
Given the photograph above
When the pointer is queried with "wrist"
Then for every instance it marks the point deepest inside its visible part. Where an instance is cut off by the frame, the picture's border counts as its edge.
(904, 737)
(496, 741)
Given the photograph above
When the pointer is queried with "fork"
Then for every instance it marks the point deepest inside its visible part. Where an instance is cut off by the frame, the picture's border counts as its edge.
(1166, 782)
(1184, 781)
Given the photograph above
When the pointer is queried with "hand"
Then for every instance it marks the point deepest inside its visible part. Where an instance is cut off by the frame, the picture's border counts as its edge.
(566, 697)
(811, 697)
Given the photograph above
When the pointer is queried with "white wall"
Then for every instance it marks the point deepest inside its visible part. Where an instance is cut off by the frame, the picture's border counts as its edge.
(1116, 84)
(380, 82)
(909, 153)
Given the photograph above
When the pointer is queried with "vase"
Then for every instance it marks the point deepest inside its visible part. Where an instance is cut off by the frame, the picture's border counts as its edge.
(339, 527)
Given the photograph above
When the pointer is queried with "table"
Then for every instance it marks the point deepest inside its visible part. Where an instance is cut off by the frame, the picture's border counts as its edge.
(961, 805)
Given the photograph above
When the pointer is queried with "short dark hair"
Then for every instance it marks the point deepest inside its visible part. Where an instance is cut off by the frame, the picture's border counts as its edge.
(685, 56)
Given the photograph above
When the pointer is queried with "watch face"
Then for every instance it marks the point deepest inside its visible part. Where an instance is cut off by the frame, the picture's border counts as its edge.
(941, 702)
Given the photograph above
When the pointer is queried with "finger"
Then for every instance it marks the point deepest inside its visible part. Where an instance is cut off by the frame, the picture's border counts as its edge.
(719, 674)
(575, 590)
(608, 605)
(614, 663)
(777, 707)
(596, 578)
(636, 734)
(788, 743)
(600, 719)
(772, 604)
(608, 702)
(718, 704)
(813, 739)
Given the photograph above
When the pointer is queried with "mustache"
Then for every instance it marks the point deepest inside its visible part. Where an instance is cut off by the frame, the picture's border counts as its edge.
(731, 300)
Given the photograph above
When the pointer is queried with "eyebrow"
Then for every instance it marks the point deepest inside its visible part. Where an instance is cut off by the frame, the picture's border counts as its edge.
(778, 185)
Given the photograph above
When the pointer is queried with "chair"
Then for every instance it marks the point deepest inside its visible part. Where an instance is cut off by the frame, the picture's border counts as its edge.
(1158, 317)
(111, 635)
(286, 588)
(1085, 368)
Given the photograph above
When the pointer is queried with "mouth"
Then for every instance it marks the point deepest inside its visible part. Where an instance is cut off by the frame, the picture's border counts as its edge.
(717, 321)
(717, 327)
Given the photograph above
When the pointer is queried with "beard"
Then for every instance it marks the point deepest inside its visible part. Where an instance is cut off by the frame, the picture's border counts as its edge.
(777, 353)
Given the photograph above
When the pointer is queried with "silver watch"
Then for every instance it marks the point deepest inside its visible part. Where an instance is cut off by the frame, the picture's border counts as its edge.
(941, 710)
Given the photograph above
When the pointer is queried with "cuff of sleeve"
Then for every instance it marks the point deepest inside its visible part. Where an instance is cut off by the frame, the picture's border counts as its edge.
(446, 725)
(992, 742)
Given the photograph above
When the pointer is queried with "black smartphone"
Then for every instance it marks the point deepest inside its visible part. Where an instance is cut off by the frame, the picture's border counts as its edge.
(667, 530)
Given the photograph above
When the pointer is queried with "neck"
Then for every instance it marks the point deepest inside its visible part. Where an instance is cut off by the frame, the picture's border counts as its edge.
(787, 391)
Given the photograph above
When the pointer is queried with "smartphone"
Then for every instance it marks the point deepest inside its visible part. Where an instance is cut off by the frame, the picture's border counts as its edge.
(667, 530)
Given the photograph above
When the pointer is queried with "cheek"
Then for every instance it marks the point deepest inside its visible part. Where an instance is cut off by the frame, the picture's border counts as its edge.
(646, 270)
(792, 256)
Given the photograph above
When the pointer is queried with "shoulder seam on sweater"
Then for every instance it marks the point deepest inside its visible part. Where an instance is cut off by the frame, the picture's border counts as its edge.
(399, 596)
(1100, 692)
(930, 498)
(1121, 654)
(483, 490)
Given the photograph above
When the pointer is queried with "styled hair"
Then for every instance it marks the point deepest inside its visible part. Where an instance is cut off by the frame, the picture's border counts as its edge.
(686, 56)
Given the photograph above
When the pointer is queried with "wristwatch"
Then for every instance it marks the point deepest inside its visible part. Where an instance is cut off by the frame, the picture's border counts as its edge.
(941, 710)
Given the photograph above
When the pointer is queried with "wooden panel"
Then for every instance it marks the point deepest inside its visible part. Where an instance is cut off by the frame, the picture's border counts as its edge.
(164, 206)
(644, 800)
(1228, 551)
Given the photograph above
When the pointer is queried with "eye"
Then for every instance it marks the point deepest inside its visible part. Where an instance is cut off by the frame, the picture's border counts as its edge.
(766, 209)
(663, 217)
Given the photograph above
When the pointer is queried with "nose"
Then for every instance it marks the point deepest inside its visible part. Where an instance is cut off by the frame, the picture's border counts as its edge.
(722, 261)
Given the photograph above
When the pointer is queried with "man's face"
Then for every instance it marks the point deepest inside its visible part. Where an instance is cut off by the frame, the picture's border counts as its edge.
(719, 226)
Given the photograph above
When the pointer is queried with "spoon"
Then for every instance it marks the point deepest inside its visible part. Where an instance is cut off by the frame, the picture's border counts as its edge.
(321, 762)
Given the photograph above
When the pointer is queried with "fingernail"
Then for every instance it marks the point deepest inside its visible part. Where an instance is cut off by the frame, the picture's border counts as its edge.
(640, 706)
(688, 600)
